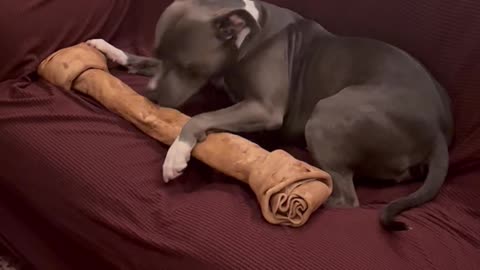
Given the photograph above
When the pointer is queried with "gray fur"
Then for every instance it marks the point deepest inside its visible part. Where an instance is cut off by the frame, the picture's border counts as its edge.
(364, 107)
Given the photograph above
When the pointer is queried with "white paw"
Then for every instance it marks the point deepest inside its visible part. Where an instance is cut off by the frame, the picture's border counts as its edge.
(112, 53)
(176, 160)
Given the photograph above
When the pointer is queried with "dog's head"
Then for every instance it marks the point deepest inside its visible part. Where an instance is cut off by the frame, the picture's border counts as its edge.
(197, 40)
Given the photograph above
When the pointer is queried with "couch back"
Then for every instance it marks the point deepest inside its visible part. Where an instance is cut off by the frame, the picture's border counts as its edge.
(443, 34)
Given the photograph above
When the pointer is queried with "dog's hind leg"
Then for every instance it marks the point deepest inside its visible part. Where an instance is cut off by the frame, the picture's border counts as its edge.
(343, 194)
(327, 156)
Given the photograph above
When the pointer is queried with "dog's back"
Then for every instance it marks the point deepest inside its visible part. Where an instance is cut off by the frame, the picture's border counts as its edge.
(381, 100)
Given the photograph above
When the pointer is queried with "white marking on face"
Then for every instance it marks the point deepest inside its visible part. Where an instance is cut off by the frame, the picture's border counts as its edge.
(112, 53)
(153, 83)
(176, 160)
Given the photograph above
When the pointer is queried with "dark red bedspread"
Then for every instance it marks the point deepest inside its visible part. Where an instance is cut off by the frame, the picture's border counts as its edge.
(80, 188)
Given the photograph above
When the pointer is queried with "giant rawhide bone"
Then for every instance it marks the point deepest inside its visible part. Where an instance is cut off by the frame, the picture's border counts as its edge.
(288, 190)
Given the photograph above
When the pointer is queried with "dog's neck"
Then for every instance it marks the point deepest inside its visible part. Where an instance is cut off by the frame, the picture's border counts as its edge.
(270, 19)
(253, 8)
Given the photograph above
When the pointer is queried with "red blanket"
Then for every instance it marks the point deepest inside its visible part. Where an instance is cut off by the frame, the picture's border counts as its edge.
(80, 187)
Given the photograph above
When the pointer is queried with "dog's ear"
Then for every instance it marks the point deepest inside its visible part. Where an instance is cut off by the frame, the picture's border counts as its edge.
(228, 26)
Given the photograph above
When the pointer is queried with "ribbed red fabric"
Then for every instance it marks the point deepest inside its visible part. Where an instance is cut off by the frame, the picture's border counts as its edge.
(80, 188)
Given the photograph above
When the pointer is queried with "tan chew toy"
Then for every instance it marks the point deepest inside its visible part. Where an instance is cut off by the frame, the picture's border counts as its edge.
(288, 190)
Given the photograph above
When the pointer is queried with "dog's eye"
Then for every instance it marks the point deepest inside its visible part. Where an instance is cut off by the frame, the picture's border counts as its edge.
(192, 70)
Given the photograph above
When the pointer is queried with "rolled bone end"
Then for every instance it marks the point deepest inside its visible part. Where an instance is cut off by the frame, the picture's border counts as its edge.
(289, 190)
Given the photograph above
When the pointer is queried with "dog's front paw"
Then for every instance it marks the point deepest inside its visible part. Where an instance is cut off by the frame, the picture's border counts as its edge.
(114, 54)
(176, 160)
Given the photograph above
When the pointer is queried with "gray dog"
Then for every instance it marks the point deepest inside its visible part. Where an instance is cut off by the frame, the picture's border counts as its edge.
(364, 108)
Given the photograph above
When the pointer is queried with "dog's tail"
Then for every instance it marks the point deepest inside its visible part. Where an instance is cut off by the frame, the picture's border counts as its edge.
(437, 172)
